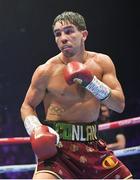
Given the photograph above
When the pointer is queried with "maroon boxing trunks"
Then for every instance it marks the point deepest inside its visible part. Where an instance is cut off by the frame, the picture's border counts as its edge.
(82, 156)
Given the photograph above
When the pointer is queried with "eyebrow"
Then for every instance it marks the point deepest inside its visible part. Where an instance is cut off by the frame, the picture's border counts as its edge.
(63, 28)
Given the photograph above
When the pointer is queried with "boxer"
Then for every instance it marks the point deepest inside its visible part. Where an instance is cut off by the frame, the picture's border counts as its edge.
(72, 85)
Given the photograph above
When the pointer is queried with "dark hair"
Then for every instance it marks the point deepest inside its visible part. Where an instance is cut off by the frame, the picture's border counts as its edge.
(73, 18)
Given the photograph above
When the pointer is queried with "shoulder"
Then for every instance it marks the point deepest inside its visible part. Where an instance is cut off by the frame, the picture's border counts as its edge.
(43, 71)
(47, 67)
(104, 61)
(100, 57)
(52, 61)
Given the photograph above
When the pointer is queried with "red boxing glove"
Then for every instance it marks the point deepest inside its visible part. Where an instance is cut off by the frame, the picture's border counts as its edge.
(43, 142)
(76, 72)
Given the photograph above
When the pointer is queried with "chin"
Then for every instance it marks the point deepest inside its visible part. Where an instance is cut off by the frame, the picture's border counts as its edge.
(68, 54)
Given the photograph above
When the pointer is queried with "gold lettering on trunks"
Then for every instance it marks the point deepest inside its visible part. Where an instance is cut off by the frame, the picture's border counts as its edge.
(91, 133)
(83, 159)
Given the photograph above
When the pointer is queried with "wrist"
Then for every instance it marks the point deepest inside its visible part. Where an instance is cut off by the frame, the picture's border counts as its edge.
(31, 122)
(100, 90)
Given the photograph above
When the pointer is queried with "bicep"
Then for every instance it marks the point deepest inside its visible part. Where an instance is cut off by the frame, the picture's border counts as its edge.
(37, 89)
(34, 96)
(109, 75)
(111, 80)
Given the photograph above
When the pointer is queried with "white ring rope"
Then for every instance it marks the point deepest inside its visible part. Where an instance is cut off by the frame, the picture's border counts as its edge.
(127, 151)
(31, 167)
(17, 168)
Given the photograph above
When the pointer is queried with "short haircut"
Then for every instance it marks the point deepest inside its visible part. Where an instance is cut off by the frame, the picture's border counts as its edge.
(73, 18)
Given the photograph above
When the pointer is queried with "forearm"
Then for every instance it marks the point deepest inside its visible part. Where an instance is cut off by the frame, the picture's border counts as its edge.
(116, 101)
(27, 110)
(113, 99)
(115, 146)
(30, 118)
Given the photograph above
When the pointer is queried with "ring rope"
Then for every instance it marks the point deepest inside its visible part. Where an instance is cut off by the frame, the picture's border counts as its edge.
(119, 124)
(17, 168)
(105, 126)
(31, 167)
(14, 140)
(127, 151)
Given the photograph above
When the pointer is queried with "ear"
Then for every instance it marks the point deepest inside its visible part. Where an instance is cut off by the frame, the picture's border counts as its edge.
(85, 34)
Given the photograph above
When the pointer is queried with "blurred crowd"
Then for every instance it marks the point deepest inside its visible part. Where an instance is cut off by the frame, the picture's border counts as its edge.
(16, 155)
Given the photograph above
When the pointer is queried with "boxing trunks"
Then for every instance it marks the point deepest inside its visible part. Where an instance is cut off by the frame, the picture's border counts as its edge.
(81, 155)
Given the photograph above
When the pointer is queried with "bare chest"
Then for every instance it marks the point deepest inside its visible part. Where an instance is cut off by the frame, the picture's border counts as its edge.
(58, 87)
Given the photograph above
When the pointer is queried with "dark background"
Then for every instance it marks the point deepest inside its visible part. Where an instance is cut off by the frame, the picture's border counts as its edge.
(26, 41)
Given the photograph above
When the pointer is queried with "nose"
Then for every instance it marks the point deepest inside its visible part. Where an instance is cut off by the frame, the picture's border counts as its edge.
(64, 39)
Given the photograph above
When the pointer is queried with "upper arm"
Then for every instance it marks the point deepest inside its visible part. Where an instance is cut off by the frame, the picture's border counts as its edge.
(109, 74)
(37, 88)
(116, 101)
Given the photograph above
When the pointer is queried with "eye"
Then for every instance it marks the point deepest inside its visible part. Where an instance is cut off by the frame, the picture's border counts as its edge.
(69, 31)
(57, 33)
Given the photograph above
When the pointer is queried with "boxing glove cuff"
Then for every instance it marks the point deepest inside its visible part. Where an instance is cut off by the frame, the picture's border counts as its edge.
(100, 90)
(31, 122)
(51, 130)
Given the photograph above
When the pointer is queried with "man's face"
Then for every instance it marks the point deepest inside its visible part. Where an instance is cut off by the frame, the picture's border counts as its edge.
(68, 38)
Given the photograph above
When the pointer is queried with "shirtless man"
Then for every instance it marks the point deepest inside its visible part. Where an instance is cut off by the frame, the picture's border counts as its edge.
(72, 85)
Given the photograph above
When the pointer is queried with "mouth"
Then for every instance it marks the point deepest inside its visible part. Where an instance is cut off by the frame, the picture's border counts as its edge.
(66, 47)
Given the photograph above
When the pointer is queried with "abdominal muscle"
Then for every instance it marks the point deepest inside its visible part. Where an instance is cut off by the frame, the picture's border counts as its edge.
(77, 112)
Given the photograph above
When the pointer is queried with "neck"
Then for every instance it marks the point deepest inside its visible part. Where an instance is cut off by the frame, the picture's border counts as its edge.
(81, 57)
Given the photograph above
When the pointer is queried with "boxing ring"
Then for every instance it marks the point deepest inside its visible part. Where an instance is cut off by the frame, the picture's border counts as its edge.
(112, 125)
